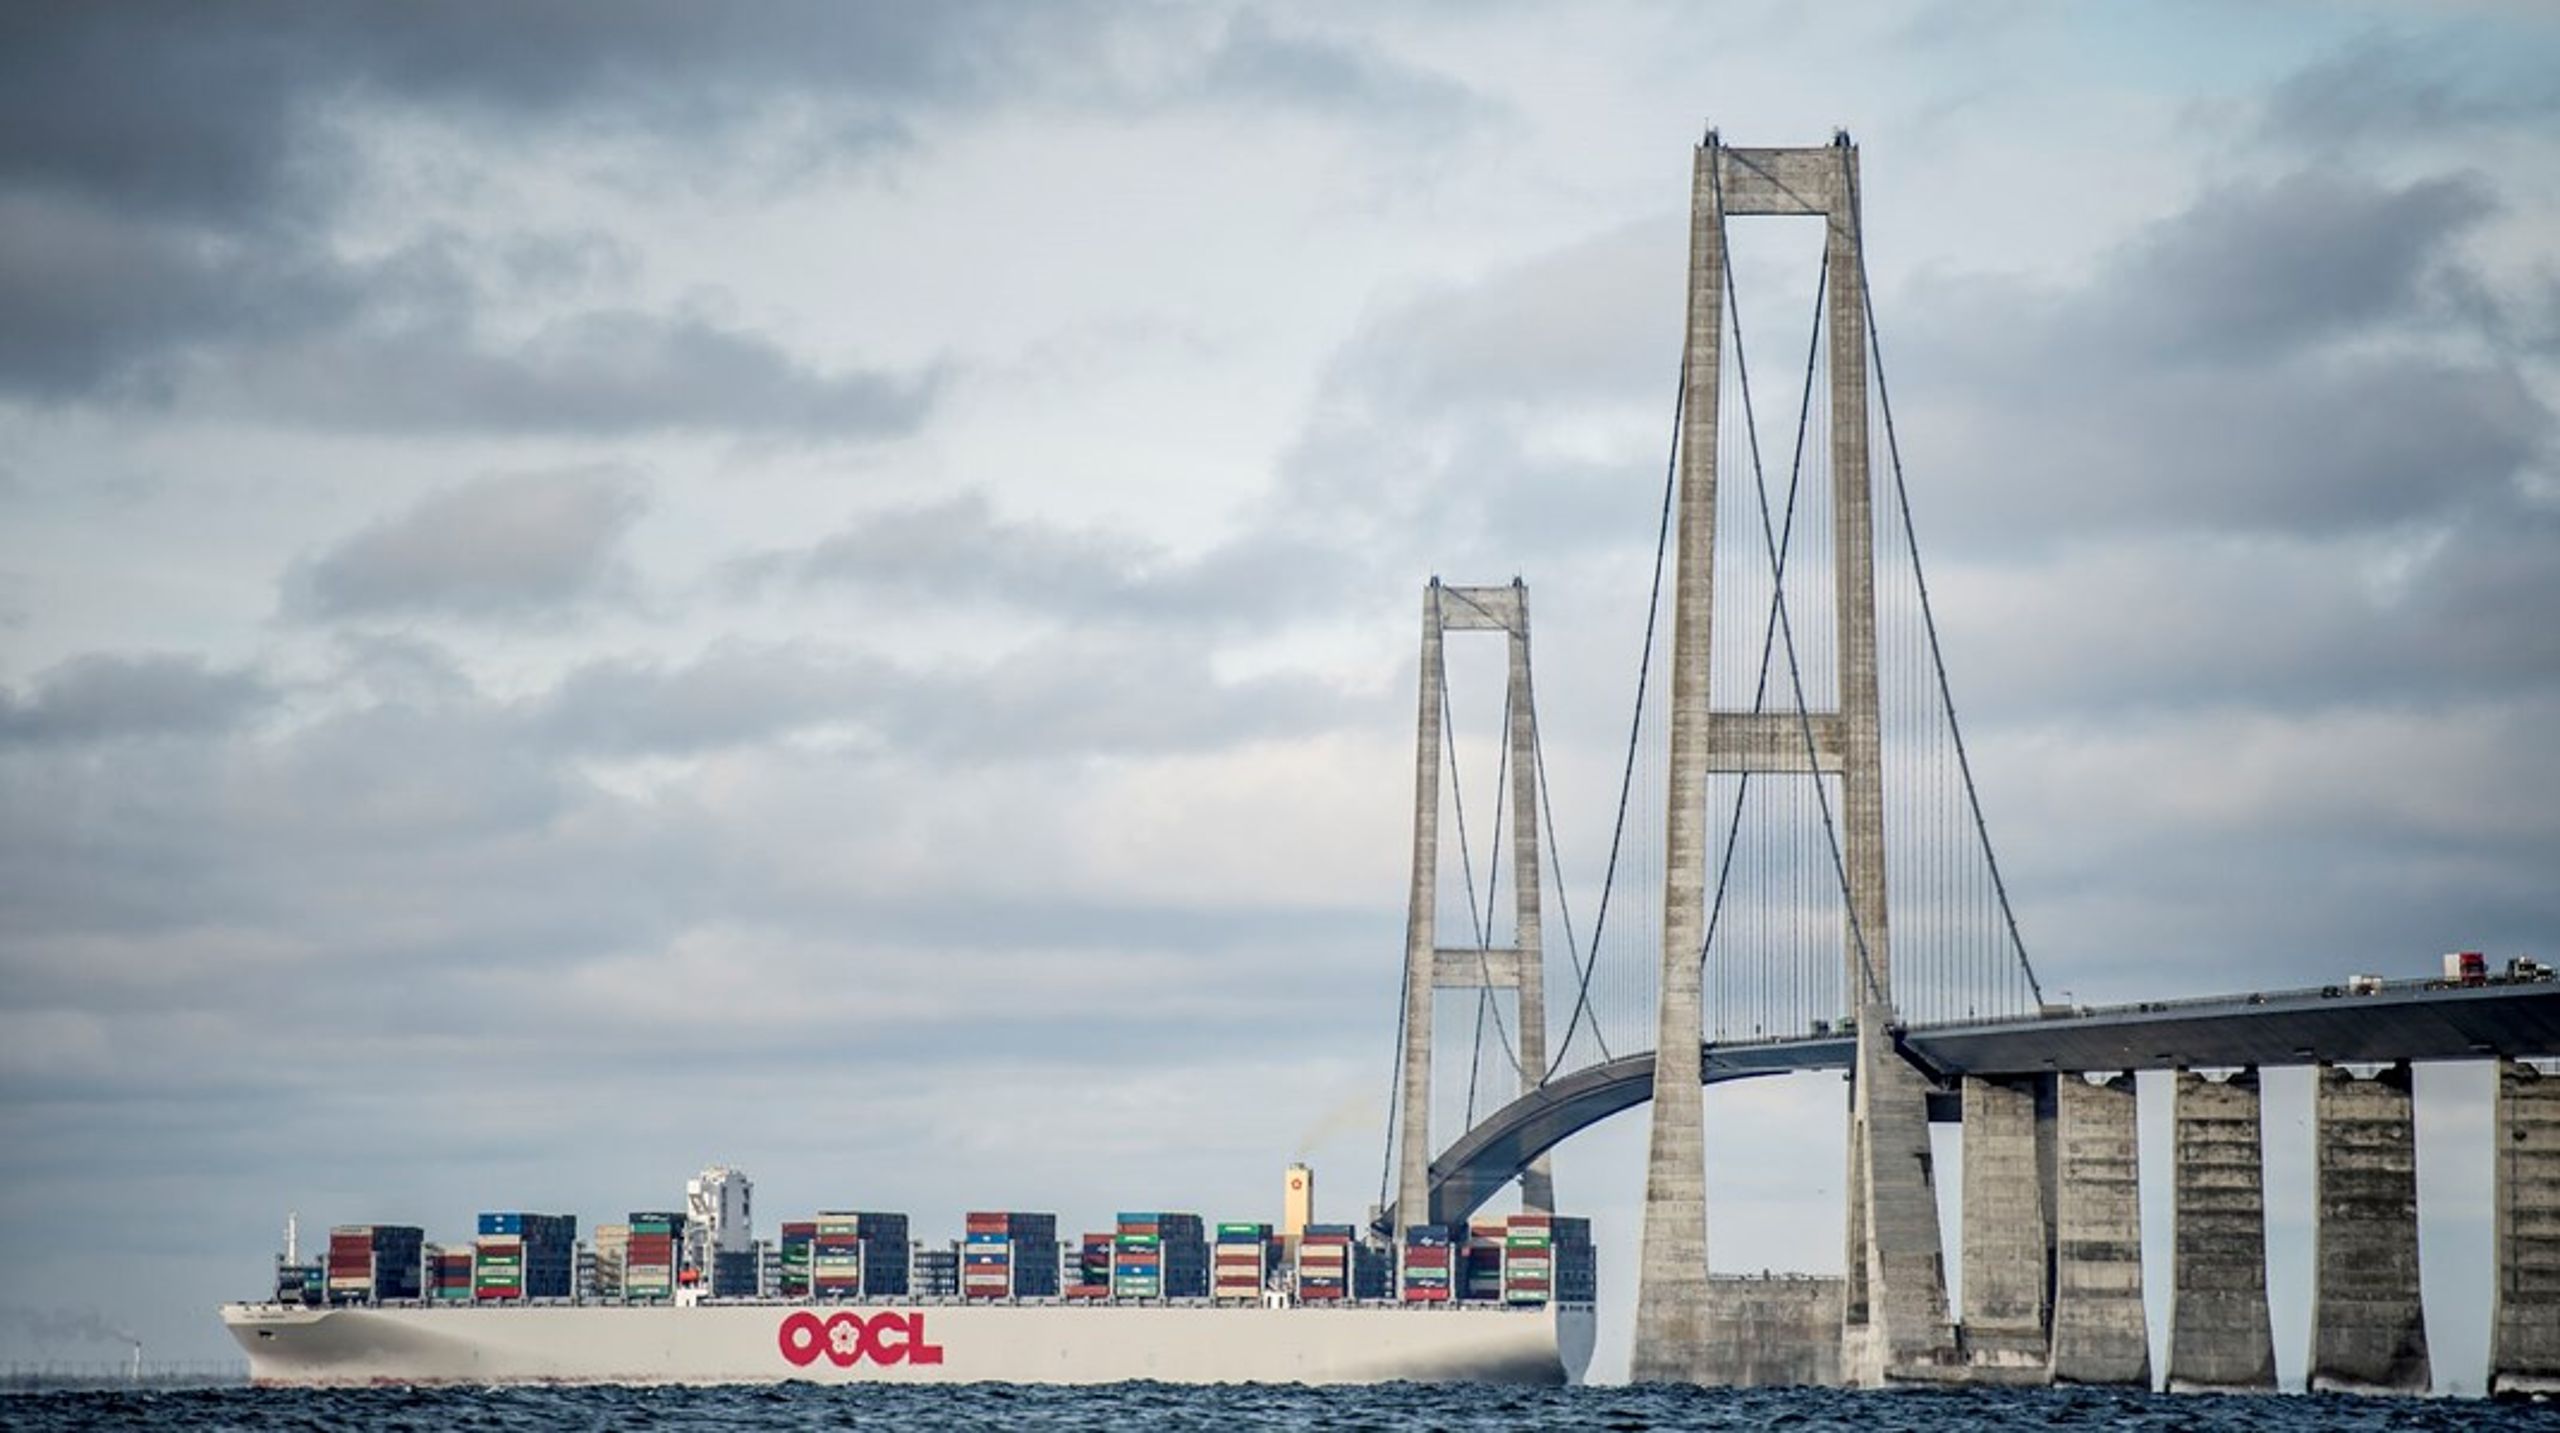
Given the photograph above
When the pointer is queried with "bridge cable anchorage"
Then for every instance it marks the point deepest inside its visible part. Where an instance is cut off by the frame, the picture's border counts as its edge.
(1769, 632)
(1928, 616)
(1786, 627)
(1466, 869)
(1635, 728)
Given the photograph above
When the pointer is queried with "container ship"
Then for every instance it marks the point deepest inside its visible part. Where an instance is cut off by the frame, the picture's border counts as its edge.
(692, 1296)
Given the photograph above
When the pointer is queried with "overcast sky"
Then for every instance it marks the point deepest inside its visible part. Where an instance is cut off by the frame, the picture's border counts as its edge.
(592, 589)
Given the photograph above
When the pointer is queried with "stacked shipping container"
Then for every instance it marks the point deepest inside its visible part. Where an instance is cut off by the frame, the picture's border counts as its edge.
(845, 1254)
(1429, 1275)
(612, 1253)
(371, 1263)
(933, 1273)
(449, 1274)
(1007, 1255)
(302, 1283)
(797, 1237)
(1526, 1259)
(1325, 1263)
(1547, 1257)
(1160, 1256)
(1240, 1262)
(524, 1256)
(1480, 1278)
(649, 1255)
(1092, 1268)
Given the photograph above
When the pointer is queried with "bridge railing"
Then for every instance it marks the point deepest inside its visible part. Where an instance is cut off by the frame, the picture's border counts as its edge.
(2355, 987)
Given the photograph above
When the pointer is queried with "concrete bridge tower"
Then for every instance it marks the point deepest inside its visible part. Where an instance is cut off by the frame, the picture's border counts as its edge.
(1430, 966)
(1895, 1314)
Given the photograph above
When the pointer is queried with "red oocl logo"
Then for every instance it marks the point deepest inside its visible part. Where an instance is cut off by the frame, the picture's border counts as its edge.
(845, 1339)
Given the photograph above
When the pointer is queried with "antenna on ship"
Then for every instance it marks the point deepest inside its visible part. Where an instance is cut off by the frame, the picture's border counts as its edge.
(292, 1227)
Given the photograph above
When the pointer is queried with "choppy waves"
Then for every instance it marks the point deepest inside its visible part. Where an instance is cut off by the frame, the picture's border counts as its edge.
(1389, 1407)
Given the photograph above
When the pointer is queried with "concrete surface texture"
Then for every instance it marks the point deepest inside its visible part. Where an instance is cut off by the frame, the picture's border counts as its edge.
(2524, 1329)
(1773, 1331)
(2005, 1243)
(2218, 1331)
(2100, 1333)
(2368, 1329)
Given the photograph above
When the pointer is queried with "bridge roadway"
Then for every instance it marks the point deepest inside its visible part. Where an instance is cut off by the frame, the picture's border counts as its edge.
(2412, 1021)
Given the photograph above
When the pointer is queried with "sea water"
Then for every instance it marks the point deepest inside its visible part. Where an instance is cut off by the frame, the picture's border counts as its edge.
(1150, 1406)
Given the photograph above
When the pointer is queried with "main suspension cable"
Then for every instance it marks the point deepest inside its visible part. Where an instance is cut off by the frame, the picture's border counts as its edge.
(1635, 724)
(1928, 615)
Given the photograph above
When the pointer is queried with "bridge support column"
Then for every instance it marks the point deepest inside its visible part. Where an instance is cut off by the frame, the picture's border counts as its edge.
(2218, 1333)
(2100, 1333)
(1773, 1331)
(1907, 1333)
(2005, 1235)
(2524, 1329)
(2368, 1328)
(1671, 1329)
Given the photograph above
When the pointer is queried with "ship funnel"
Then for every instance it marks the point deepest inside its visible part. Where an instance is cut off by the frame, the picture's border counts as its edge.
(1297, 1201)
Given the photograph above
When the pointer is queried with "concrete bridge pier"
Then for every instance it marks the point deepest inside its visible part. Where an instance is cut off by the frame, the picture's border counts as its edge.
(2100, 1333)
(2006, 1237)
(2368, 1328)
(2524, 1328)
(2219, 1338)
(1896, 1326)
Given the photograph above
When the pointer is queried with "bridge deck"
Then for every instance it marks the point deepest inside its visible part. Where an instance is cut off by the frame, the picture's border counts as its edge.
(2412, 1021)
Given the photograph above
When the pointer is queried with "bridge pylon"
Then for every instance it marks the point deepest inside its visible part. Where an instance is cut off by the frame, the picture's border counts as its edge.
(1895, 1312)
(1431, 967)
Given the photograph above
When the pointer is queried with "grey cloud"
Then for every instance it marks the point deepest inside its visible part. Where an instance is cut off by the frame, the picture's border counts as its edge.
(732, 695)
(495, 546)
(165, 107)
(85, 293)
(960, 548)
(1254, 60)
(2288, 366)
(1052, 698)
(1432, 445)
(595, 373)
(168, 177)
(104, 697)
(2448, 613)
(453, 832)
(1580, 324)
(2388, 87)
(93, 307)
(2251, 271)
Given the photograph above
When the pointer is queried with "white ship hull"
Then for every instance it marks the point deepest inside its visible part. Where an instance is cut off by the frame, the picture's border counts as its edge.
(910, 1343)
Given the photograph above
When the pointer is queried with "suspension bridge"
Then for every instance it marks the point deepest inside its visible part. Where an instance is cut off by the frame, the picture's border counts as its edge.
(1777, 771)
